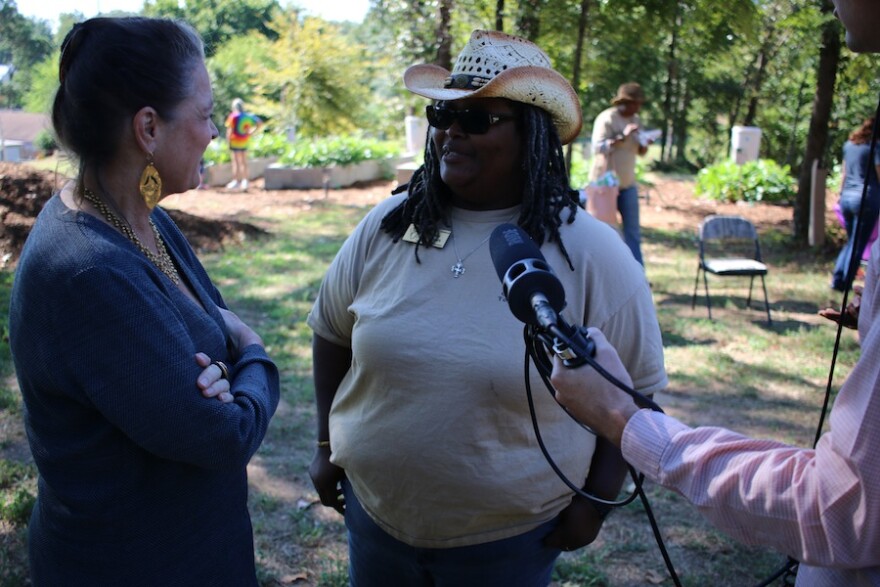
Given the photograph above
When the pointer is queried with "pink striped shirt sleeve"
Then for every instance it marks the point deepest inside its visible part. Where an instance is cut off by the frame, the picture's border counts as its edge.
(819, 506)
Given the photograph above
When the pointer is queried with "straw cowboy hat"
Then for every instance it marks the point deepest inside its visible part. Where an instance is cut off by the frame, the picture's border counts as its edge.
(630, 92)
(498, 65)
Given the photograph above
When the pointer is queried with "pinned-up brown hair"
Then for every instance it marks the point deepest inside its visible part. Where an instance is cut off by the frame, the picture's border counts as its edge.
(112, 67)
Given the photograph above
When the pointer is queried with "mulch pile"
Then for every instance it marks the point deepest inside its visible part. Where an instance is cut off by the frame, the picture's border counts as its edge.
(24, 190)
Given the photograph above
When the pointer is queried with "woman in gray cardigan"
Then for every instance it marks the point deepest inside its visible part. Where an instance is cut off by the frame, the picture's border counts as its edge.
(145, 397)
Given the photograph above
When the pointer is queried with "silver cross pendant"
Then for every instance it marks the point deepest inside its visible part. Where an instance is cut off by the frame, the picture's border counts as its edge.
(457, 269)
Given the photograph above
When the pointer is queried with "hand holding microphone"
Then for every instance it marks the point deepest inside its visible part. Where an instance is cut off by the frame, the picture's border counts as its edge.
(536, 296)
(534, 293)
(590, 397)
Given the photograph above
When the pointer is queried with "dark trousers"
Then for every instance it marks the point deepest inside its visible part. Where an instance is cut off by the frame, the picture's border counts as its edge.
(376, 559)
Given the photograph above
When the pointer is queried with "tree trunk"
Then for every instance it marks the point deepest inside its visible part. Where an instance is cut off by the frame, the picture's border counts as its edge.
(499, 15)
(671, 76)
(528, 22)
(764, 56)
(578, 58)
(681, 123)
(817, 138)
(444, 36)
(796, 121)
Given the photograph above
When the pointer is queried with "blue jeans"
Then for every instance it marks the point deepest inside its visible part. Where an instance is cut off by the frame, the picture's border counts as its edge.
(843, 275)
(628, 206)
(376, 559)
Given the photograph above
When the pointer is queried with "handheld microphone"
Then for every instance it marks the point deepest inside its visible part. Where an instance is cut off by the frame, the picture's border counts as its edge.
(535, 294)
(533, 291)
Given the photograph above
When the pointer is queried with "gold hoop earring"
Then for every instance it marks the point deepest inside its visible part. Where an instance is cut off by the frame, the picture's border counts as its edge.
(150, 184)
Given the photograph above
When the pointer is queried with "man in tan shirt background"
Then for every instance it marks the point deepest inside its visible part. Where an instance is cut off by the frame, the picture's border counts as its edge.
(615, 146)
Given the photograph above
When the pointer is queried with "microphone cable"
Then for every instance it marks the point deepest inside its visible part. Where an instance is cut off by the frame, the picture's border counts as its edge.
(536, 342)
(854, 260)
(790, 568)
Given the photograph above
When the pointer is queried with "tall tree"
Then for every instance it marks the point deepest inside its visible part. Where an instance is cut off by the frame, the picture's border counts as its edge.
(314, 81)
(829, 57)
(528, 18)
(444, 34)
(217, 21)
(23, 44)
(578, 59)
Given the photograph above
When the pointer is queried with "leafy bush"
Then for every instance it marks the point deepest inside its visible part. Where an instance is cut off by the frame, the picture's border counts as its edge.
(262, 144)
(217, 152)
(267, 144)
(45, 141)
(763, 180)
(323, 152)
(330, 151)
(579, 172)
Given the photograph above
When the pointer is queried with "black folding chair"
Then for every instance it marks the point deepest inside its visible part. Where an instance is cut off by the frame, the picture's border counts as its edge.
(729, 247)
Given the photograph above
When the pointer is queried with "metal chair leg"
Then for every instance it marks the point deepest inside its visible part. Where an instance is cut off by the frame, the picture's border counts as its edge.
(708, 302)
(696, 283)
(751, 283)
(766, 300)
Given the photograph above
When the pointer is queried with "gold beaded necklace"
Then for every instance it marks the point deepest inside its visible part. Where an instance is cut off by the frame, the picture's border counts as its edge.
(162, 260)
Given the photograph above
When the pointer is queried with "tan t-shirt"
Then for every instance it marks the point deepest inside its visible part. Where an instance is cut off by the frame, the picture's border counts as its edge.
(622, 156)
(432, 423)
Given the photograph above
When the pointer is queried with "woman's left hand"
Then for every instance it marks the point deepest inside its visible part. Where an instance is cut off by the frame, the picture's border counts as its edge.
(211, 380)
(579, 524)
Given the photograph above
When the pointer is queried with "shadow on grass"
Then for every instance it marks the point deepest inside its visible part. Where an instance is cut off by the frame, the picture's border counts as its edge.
(721, 372)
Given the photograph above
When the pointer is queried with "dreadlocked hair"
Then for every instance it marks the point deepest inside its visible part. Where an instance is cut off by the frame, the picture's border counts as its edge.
(545, 192)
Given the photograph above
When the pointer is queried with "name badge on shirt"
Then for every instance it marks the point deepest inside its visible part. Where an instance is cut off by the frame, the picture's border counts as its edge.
(412, 236)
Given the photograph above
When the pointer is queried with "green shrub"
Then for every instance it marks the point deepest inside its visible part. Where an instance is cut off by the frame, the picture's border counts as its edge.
(266, 144)
(217, 152)
(45, 141)
(754, 181)
(322, 152)
(579, 172)
(329, 151)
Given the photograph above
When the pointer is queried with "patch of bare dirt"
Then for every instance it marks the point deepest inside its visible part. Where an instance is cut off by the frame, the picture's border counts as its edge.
(208, 217)
(24, 190)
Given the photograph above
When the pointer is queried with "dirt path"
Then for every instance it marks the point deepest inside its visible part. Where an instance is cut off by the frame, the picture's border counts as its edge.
(670, 203)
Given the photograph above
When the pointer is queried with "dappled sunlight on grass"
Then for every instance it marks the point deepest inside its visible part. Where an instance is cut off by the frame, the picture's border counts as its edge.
(735, 370)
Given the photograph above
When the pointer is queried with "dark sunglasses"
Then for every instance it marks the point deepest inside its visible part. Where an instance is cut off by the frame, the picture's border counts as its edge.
(473, 122)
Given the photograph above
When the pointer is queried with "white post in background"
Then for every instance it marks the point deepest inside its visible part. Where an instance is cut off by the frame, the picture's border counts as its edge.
(816, 233)
(745, 142)
(416, 131)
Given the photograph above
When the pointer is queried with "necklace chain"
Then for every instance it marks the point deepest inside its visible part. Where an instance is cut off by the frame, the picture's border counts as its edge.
(162, 260)
(458, 269)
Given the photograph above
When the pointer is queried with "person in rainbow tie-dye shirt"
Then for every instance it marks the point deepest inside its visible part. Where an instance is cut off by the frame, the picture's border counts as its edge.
(240, 125)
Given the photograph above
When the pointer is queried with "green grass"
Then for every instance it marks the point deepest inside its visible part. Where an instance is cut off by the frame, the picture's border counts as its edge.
(735, 370)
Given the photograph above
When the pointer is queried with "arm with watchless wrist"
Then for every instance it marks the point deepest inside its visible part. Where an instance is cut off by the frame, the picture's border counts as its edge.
(580, 522)
(214, 380)
(330, 364)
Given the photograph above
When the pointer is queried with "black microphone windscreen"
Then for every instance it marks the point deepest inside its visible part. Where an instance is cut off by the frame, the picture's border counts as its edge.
(510, 244)
(524, 273)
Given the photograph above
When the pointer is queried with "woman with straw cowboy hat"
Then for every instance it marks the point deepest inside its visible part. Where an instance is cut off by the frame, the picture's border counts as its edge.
(616, 144)
(424, 437)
